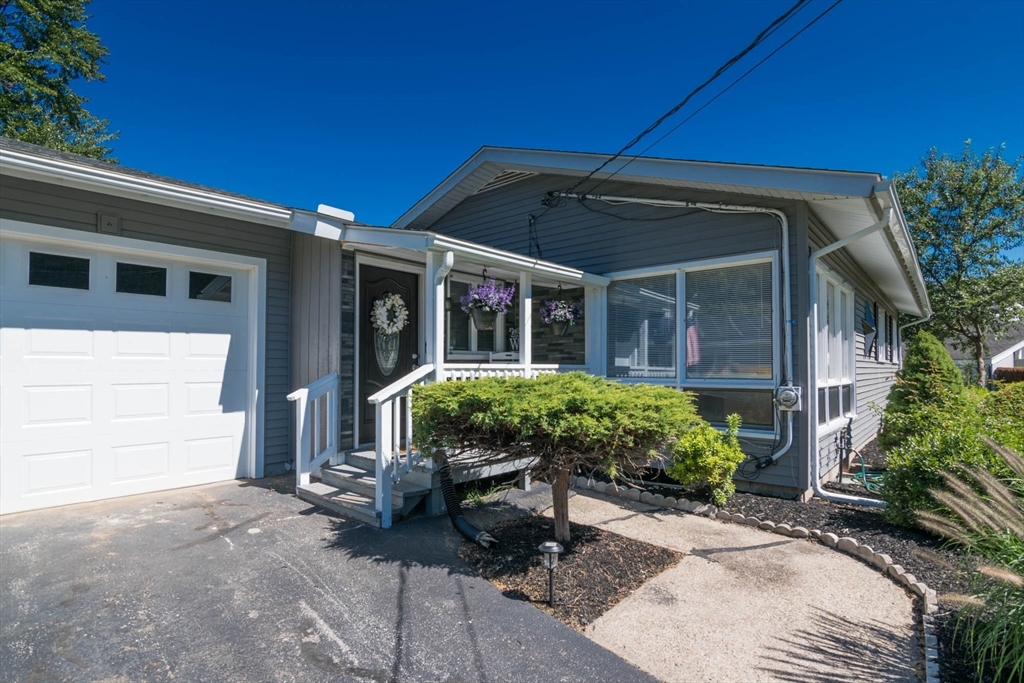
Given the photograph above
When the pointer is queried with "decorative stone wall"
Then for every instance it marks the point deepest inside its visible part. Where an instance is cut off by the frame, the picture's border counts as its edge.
(569, 348)
(347, 371)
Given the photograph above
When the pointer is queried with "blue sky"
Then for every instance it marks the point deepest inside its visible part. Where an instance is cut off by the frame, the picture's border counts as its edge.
(368, 106)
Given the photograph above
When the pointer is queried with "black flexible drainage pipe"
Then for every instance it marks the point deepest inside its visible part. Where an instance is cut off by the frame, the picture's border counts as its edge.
(454, 507)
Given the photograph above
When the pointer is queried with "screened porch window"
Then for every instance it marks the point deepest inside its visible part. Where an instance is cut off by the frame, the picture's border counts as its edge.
(729, 323)
(464, 340)
(642, 327)
(717, 323)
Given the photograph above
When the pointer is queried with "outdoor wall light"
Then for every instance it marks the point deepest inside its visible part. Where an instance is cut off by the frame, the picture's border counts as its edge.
(551, 550)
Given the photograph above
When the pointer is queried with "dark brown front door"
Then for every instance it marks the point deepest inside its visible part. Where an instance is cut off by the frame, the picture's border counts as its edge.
(378, 364)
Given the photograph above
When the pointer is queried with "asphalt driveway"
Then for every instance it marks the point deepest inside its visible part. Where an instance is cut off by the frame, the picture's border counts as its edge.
(239, 582)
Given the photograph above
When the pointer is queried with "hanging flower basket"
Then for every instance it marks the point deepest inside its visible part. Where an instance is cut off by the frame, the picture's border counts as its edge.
(485, 301)
(389, 317)
(561, 314)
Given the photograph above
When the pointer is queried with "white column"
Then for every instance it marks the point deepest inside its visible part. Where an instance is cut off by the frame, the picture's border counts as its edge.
(595, 329)
(434, 334)
(525, 321)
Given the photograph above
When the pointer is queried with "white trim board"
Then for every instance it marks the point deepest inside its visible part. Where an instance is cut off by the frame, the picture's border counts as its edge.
(257, 267)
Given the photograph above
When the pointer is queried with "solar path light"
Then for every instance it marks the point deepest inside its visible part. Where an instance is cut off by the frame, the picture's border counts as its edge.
(551, 549)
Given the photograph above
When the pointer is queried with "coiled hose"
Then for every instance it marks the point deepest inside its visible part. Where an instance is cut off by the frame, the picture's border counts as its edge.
(454, 507)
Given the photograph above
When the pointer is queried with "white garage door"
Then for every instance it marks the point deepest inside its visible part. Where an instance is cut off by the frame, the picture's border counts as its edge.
(121, 371)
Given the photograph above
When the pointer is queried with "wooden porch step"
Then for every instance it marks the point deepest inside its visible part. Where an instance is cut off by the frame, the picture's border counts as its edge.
(346, 503)
(354, 478)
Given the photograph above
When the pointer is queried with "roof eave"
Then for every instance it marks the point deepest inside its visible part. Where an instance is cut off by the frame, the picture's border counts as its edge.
(67, 173)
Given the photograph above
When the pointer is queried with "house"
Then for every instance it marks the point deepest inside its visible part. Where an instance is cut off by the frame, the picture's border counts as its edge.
(153, 329)
(1006, 351)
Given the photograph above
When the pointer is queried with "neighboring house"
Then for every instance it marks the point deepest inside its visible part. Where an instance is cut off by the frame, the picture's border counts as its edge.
(1006, 351)
(691, 274)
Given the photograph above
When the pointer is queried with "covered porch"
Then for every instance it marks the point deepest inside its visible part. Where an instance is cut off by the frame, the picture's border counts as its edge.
(353, 425)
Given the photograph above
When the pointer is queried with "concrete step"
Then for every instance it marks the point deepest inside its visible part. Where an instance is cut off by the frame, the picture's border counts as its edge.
(354, 478)
(346, 503)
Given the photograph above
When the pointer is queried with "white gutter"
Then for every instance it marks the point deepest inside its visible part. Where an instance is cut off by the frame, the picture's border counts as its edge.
(812, 395)
(115, 182)
(787, 303)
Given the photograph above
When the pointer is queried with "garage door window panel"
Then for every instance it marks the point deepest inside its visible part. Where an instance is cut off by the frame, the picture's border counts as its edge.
(56, 270)
(209, 287)
(134, 278)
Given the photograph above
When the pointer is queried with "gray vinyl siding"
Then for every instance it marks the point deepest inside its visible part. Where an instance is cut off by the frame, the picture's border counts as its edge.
(63, 207)
(323, 310)
(638, 236)
(873, 377)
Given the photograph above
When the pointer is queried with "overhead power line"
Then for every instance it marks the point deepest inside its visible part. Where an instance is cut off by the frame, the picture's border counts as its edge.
(721, 70)
(729, 87)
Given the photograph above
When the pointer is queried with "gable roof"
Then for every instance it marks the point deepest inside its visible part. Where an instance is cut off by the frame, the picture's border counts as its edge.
(845, 201)
(996, 346)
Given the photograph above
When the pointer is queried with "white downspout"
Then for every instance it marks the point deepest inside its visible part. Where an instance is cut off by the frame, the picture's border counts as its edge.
(899, 332)
(787, 298)
(812, 395)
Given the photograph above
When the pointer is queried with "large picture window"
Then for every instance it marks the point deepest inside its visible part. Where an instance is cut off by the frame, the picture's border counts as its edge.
(642, 327)
(835, 348)
(707, 328)
(729, 322)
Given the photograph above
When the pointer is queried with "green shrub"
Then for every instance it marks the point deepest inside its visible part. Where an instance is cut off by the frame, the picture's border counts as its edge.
(929, 379)
(557, 422)
(706, 456)
(1003, 413)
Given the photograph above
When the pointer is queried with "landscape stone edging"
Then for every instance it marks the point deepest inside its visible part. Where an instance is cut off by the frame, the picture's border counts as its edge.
(846, 544)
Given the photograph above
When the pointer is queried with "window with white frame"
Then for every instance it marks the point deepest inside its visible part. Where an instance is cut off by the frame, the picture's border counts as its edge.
(464, 340)
(642, 327)
(835, 348)
(715, 321)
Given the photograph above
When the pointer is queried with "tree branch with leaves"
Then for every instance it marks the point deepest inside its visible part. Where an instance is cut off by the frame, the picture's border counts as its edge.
(966, 214)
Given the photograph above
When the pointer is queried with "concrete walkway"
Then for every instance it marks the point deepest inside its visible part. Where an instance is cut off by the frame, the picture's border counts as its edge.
(750, 606)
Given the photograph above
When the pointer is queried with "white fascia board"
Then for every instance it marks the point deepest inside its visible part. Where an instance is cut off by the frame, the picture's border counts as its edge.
(514, 261)
(387, 237)
(900, 234)
(1007, 353)
(111, 182)
(841, 183)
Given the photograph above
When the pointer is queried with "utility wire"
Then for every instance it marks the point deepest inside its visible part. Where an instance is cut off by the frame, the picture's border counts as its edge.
(721, 70)
(727, 89)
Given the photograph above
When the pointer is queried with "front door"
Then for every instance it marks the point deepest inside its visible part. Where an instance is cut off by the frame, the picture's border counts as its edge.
(388, 346)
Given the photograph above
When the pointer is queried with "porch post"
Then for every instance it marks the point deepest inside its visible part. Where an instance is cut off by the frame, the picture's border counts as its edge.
(594, 323)
(434, 300)
(526, 322)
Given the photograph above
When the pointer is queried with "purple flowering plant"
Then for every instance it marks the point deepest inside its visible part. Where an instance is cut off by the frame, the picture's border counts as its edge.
(488, 297)
(552, 311)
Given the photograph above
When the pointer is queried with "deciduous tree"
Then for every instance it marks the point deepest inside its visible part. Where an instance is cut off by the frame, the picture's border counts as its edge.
(966, 214)
(44, 48)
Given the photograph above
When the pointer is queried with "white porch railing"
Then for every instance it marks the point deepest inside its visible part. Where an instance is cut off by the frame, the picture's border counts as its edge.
(315, 403)
(466, 371)
(393, 422)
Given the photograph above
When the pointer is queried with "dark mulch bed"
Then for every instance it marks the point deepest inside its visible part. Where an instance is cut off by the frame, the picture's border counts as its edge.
(597, 570)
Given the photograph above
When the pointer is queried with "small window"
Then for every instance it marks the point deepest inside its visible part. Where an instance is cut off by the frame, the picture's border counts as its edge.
(53, 270)
(209, 287)
(133, 278)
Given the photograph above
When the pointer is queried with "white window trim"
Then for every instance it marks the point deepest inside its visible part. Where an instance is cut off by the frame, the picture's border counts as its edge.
(680, 381)
(828, 276)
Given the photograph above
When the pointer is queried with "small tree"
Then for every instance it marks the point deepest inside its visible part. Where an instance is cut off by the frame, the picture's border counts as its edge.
(966, 215)
(555, 423)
